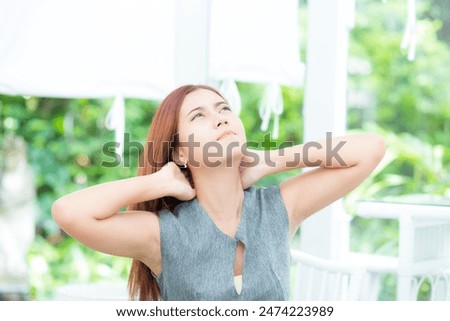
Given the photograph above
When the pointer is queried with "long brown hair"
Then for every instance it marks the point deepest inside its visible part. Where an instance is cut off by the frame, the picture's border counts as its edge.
(161, 140)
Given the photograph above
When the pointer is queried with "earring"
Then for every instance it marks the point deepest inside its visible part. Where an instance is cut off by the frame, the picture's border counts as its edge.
(184, 164)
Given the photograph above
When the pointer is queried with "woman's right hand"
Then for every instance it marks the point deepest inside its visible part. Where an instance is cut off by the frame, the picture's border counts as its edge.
(180, 187)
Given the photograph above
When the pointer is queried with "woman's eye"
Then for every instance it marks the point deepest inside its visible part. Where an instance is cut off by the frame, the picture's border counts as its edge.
(195, 116)
(200, 114)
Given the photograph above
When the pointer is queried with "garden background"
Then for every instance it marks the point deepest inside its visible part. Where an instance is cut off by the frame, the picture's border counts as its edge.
(407, 102)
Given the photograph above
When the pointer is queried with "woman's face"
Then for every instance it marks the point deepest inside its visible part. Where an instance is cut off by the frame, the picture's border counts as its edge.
(204, 119)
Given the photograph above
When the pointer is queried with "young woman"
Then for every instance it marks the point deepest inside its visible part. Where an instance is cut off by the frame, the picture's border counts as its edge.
(196, 227)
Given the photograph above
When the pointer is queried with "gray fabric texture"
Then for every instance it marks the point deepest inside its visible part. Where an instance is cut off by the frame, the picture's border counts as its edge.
(198, 258)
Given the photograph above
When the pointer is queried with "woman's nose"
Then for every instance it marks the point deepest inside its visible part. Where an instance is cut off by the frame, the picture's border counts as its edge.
(220, 120)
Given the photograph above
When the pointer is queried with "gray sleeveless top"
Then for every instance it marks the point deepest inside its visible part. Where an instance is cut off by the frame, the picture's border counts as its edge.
(198, 258)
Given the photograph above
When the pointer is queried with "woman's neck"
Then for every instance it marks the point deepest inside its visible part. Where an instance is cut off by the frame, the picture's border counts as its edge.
(219, 190)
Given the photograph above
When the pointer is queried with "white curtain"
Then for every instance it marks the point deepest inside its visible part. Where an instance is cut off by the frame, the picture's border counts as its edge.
(81, 48)
(91, 49)
(256, 41)
(125, 48)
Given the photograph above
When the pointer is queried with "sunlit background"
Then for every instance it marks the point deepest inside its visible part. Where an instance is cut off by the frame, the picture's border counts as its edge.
(400, 95)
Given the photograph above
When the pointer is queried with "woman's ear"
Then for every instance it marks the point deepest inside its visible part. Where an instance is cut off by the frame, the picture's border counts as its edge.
(178, 158)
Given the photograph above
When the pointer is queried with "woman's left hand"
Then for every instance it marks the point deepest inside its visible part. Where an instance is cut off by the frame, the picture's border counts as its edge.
(252, 167)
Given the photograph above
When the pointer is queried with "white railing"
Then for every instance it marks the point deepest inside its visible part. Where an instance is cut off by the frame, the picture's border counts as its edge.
(424, 249)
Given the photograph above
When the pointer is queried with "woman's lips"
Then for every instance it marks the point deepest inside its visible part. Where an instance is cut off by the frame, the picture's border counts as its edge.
(225, 134)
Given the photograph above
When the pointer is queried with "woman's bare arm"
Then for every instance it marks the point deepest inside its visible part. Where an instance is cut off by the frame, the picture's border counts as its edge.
(92, 216)
(342, 164)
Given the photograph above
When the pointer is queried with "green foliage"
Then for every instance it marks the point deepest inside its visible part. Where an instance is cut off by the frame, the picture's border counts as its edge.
(55, 265)
(65, 140)
(409, 97)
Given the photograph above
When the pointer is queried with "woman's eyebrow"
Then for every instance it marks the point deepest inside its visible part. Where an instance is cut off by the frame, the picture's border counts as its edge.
(203, 107)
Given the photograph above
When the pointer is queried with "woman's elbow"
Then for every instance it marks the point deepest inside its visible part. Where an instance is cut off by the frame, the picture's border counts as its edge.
(61, 215)
(376, 149)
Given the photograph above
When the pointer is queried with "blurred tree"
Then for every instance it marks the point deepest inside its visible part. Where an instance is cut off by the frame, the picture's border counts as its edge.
(439, 10)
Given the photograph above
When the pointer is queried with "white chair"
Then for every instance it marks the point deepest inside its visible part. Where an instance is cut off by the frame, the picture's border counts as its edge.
(321, 279)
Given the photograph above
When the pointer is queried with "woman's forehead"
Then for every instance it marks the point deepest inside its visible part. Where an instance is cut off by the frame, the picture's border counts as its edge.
(199, 97)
